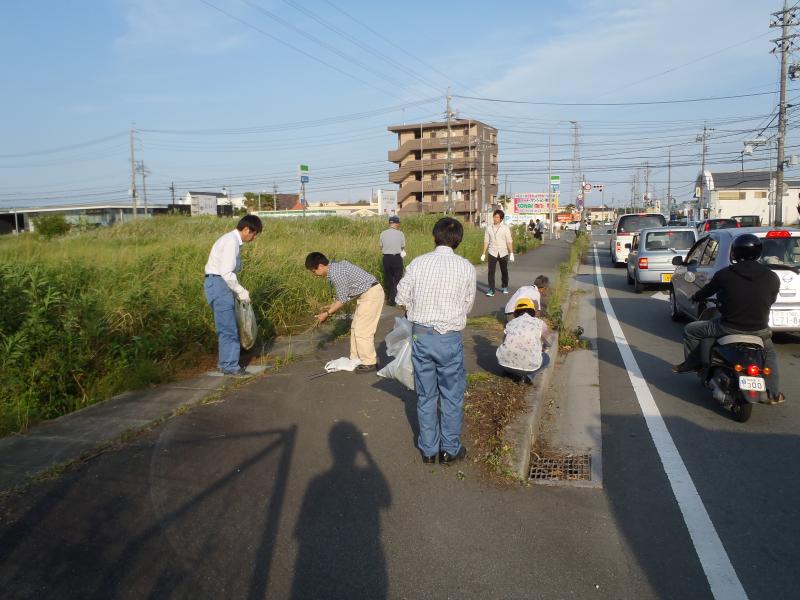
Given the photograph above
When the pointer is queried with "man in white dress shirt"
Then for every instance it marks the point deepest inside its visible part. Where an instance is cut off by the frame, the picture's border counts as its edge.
(438, 291)
(221, 283)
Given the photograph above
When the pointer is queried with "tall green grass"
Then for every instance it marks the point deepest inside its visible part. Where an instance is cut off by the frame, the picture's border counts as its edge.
(89, 315)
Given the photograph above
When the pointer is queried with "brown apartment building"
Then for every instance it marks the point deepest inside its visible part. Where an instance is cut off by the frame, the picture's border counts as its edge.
(421, 156)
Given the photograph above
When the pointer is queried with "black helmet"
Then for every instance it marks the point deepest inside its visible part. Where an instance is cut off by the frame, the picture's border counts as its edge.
(746, 247)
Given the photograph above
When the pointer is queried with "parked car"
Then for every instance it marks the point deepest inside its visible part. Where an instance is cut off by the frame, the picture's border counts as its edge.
(713, 252)
(625, 227)
(572, 226)
(712, 224)
(652, 251)
(747, 220)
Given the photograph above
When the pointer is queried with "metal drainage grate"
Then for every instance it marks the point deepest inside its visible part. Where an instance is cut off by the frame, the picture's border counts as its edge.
(559, 466)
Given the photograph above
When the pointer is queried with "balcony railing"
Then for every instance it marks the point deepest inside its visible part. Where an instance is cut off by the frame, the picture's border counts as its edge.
(461, 141)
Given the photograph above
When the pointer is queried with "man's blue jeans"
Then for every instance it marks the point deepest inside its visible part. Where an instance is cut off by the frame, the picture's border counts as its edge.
(441, 380)
(220, 298)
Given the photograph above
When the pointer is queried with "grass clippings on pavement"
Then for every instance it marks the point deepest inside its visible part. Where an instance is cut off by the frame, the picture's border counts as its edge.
(490, 404)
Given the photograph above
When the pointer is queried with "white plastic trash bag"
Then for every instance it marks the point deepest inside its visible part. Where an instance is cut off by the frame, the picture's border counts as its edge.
(342, 364)
(398, 345)
(246, 322)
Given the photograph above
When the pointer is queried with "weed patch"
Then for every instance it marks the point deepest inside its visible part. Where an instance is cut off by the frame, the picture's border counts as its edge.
(490, 404)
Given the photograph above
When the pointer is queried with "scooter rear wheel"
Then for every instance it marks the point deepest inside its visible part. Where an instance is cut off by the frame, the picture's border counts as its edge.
(741, 409)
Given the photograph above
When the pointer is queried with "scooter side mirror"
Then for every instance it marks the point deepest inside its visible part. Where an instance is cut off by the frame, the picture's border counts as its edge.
(677, 261)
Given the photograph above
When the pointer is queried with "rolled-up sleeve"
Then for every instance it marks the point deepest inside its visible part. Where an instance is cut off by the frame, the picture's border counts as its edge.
(404, 288)
(227, 264)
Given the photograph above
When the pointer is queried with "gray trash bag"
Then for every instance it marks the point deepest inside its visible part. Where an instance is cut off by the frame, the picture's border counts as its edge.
(398, 345)
(246, 322)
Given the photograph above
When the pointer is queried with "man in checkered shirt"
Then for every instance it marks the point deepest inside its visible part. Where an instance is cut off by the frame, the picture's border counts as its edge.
(349, 282)
(438, 291)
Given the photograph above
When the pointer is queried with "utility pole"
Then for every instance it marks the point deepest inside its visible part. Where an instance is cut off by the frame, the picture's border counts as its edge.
(274, 196)
(469, 168)
(133, 176)
(422, 168)
(646, 198)
(550, 186)
(577, 178)
(143, 171)
(784, 19)
(669, 180)
(483, 171)
(172, 189)
(704, 139)
(448, 176)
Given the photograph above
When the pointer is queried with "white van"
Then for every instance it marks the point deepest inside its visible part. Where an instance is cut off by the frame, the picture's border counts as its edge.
(624, 228)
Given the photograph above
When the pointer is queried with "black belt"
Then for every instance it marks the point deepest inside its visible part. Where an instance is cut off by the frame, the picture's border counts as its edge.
(396, 254)
(212, 275)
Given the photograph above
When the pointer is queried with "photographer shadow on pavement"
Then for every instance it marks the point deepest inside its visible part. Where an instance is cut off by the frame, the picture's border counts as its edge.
(339, 528)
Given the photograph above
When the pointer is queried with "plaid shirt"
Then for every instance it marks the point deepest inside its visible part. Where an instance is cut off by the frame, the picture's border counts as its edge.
(438, 290)
(348, 280)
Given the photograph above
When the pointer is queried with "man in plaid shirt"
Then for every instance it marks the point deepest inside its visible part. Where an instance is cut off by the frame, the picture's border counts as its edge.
(438, 291)
(349, 282)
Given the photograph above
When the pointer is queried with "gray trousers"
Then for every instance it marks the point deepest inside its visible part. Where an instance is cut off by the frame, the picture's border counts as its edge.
(695, 332)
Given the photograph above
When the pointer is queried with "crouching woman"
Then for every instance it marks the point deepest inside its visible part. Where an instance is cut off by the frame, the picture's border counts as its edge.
(521, 353)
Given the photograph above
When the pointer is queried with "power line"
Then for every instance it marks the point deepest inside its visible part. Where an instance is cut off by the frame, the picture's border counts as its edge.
(642, 103)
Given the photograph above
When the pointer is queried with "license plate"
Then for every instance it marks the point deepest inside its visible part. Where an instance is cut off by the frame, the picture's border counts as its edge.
(752, 384)
(785, 318)
(666, 277)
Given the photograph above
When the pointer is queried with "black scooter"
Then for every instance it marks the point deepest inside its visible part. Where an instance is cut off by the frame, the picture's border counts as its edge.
(734, 370)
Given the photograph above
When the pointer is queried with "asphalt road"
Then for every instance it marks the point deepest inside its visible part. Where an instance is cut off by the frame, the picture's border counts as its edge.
(743, 472)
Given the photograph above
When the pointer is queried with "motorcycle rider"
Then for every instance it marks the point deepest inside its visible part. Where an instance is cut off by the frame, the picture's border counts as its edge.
(745, 290)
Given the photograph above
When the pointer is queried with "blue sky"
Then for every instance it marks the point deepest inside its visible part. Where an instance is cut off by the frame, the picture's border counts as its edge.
(227, 92)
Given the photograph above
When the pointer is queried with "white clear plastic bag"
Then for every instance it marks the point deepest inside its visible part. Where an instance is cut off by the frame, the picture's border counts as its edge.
(341, 364)
(246, 322)
(398, 345)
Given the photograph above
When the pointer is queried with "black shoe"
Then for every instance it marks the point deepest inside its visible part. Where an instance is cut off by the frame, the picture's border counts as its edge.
(391, 303)
(445, 458)
(365, 368)
(685, 367)
(429, 460)
(242, 372)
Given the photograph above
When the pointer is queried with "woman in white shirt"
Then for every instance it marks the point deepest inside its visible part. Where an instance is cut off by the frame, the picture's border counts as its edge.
(527, 336)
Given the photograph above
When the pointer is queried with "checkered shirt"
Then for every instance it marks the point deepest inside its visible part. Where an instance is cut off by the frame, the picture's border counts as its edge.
(438, 290)
(348, 280)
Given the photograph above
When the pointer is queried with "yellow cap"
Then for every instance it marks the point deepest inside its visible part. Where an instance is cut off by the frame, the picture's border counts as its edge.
(524, 303)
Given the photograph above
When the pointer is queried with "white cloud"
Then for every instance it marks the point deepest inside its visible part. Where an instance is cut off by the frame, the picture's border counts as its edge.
(184, 25)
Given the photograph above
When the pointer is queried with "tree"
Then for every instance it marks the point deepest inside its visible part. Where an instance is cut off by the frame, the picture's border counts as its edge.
(50, 226)
(570, 207)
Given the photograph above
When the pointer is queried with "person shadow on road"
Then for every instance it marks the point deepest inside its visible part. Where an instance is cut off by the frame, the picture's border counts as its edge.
(338, 531)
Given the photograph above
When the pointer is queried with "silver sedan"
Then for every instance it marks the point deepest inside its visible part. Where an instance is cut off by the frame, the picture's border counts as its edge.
(652, 251)
(713, 252)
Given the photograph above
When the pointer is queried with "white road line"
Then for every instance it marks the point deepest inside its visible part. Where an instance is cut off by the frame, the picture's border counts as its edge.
(663, 296)
(717, 566)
